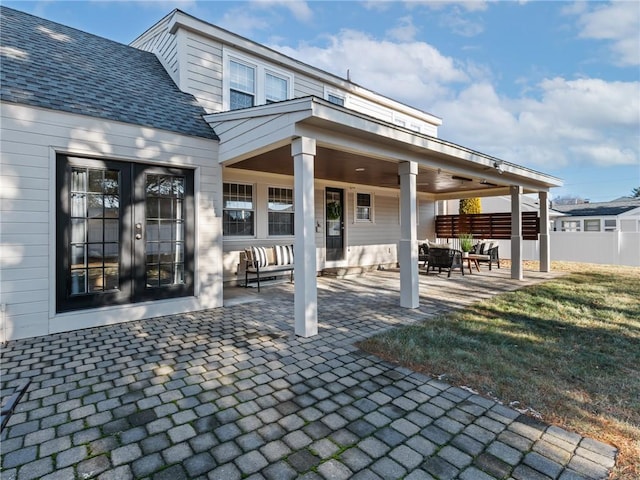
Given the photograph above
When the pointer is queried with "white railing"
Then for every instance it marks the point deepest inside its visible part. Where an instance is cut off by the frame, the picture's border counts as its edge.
(607, 248)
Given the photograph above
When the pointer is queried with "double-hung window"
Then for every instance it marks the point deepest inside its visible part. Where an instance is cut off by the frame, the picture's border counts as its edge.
(281, 211)
(248, 82)
(238, 211)
(610, 225)
(242, 85)
(364, 207)
(276, 88)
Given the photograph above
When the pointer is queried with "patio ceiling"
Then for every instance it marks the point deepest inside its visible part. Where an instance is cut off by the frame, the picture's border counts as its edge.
(358, 149)
(340, 166)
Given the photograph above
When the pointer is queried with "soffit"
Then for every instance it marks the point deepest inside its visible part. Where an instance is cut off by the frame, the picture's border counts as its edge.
(355, 148)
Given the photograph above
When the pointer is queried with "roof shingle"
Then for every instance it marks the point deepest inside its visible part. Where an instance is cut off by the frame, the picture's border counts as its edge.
(48, 65)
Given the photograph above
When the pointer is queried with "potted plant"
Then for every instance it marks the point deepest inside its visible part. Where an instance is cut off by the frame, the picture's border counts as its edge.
(466, 243)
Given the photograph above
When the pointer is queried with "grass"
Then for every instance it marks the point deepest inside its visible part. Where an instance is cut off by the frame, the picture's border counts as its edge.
(567, 349)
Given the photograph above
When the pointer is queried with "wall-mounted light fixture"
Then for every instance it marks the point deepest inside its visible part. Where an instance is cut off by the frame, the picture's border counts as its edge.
(498, 166)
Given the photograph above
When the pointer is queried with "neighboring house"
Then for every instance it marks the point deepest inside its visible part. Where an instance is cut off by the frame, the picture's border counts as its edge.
(133, 176)
(622, 215)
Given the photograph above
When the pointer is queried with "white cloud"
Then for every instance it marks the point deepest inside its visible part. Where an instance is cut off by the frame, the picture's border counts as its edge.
(617, 22)
(412, 71)
(262, 15)
(405, 31)
(299, 9)
(577, 122)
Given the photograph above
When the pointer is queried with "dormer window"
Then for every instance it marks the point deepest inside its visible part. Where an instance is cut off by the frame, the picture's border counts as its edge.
(243, 85)
(276, 88)
(248, 83)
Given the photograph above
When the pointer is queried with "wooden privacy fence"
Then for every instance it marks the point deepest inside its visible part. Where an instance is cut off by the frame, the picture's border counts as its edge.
(496, 226)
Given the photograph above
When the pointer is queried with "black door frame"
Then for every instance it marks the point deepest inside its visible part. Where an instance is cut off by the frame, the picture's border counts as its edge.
(132, 286)
(331, 241)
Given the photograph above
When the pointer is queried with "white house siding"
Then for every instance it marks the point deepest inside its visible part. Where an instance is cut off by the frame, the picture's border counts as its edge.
(367, 243)
(164, 45)
(306, 87)
(201, 73)
(31, 137)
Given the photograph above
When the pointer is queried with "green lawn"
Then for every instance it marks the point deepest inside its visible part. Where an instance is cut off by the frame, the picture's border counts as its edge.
(568, 349)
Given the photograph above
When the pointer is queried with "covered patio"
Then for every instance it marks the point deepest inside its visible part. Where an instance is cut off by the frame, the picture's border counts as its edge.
(311, 139)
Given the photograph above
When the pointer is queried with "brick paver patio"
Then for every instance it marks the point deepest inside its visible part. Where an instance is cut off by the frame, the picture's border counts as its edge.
(231, 393)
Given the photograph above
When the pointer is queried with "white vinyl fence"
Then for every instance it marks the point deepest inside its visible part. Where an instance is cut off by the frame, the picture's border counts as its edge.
(607, 248)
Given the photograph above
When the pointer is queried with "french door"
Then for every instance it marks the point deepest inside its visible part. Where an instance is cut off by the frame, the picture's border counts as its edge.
(124, 233)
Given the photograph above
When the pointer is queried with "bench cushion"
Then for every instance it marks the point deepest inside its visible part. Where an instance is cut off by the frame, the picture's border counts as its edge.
(284, 254)
(259, 255)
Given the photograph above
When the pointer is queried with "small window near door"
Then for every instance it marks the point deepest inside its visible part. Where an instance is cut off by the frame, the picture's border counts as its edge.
(364, 207)
(281, 214)
(238, 210)
(592, 225)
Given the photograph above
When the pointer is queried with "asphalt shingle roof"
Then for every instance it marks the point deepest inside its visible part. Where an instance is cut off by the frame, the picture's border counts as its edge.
(48, 65)
(598, 209)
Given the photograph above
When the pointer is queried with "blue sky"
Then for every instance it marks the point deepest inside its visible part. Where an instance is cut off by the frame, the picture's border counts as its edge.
(553, 86)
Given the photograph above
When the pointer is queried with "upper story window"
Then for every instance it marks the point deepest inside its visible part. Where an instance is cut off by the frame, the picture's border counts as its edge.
(335, 96)
(276, 88)
(242, 85)
(281, 211)
(364, 207)
(247, 82)
(238, 211)
(336, 99)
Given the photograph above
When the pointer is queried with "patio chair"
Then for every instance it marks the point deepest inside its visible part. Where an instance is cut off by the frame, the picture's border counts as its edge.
(444, 258)
(423, 254)
(486, 252)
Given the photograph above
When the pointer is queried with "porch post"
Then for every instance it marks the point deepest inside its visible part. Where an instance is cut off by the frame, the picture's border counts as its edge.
(545, 246)
(303, 150)
(407, 251)
(516, 233)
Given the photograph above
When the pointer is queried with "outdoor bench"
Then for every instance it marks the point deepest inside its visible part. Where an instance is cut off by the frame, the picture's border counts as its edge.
(266, 261)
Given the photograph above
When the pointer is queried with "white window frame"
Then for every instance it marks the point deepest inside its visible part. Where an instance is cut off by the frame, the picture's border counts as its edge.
(292, 212)
(252, 209)
(328, 91)
(261, 69)
(255, 80)
(371, 218)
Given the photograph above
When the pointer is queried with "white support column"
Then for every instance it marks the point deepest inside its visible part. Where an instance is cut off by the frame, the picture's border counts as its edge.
(516, 233)
(407, 250)
(545, 246)
(303, 151)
